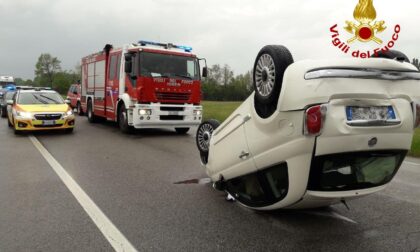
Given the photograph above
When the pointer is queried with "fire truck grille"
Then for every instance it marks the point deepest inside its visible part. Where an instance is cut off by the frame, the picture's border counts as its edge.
(48, 116)
(173, 96)
(171, 108)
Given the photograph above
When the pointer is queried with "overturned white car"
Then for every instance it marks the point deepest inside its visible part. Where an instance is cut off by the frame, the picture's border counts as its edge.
(314, 133)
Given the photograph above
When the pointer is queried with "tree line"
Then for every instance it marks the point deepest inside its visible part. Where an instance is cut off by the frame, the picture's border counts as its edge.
(48, 73)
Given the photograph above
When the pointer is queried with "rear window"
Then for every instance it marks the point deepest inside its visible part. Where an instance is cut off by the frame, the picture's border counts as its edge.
(261, 188)
(9, 95)
(351, 171)
(28, 98)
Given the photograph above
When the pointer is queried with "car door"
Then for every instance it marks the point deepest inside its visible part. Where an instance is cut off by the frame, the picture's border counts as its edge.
(112, 86)
(229, 154)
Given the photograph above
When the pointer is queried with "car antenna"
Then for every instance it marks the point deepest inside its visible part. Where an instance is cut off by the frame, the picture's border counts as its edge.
(345, 203)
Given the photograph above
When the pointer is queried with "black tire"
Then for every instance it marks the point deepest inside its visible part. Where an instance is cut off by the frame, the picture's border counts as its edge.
(69, 130)
(123, 120)
(182, 131)
(269, 67)
(202, 138)
(91, 116)
(3, 112)
(392, 54)
(17, 132)
(79, 109)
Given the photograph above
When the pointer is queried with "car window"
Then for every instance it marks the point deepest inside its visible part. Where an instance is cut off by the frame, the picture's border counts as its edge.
(9, 95)
(350, 171)
(261, 188)
(39, 98)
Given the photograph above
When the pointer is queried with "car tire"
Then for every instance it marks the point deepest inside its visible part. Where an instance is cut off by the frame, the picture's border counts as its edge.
(123, 120)
(203, 136)
(91, 116)
(182, 131)
(69, 130)
(3, 112)
(269, 67)
(79, 109)
(392, 54)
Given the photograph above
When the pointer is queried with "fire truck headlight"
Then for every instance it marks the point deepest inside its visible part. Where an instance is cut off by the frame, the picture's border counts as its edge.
(145, 112)
(197, 112)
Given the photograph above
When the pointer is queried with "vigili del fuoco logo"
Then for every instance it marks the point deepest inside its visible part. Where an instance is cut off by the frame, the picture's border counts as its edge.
(365, 29)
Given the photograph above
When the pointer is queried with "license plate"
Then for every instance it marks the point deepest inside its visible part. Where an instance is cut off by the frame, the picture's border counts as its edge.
(47, 123)
(372, 113)
(173, 113)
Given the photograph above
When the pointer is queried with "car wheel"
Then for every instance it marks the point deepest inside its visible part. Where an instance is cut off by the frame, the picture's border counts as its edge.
(203, 136)
(69, 130)
(123, 120)
(182, 130)
(3, 112)
(392, 54)
(79, 109)
(17, 132)
(91, 116)
(269, 67)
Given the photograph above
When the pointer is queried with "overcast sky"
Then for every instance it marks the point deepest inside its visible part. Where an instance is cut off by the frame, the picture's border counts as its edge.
(223, 31)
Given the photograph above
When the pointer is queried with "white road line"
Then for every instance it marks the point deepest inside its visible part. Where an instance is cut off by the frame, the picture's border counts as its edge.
(111, 233)
(332, 214)
(412, 163)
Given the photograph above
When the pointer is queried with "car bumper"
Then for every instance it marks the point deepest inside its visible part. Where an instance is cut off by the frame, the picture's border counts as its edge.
(37, 125)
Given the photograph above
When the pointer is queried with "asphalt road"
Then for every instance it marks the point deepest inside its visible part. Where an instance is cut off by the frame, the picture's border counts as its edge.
(132, 179)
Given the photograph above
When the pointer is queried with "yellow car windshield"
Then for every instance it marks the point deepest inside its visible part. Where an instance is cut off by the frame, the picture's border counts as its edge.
(39, 98)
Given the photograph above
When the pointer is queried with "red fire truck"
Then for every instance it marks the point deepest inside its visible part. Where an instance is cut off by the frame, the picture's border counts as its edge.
(143, 85)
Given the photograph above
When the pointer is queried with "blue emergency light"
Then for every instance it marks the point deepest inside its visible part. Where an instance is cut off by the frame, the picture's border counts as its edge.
(166, 46)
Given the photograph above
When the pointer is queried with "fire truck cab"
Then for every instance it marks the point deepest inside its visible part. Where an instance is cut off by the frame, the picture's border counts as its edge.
(143, 85)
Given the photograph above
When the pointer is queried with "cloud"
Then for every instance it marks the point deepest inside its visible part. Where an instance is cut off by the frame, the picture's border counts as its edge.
(224, 32)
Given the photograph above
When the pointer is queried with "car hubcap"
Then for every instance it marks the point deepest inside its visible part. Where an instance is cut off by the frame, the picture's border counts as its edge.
(204, 135)
(265, 75)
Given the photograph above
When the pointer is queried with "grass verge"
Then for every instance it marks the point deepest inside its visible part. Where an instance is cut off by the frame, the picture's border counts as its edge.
(218, 110)
(415, 145)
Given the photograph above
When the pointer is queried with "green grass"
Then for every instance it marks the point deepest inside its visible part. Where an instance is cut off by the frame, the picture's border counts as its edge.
(415, 146)
(218, 110)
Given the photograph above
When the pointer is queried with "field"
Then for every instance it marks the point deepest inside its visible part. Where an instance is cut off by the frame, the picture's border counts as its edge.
(218, 110)
(415, 146)
(221, 110)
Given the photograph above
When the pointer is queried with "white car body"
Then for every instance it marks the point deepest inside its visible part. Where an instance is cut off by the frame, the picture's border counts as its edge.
(245, 143)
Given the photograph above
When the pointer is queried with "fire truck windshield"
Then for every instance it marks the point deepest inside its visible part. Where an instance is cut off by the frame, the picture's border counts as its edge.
(169, 66)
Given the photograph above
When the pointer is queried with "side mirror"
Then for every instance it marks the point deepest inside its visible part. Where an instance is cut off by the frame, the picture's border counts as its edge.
(9, 102)
(67, 101)
(128, 66)
(204, 72)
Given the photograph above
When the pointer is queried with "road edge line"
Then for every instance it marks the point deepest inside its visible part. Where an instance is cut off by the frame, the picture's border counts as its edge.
(114, 236)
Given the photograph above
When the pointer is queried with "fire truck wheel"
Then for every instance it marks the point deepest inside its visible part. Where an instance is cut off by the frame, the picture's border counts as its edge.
(392, 54)
(202, 138)
(269, 67)
(91, 116)
(123, 120)
(79, 109)
(182, 130)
